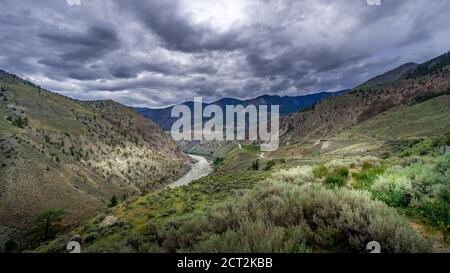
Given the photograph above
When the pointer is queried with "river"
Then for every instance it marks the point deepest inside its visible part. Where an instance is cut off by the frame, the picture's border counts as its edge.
(201, 168)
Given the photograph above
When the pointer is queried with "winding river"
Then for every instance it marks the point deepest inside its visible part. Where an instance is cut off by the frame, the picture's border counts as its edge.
(201, 168)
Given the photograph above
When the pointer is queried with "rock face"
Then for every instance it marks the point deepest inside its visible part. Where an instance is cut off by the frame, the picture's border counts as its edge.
(108, 222)
(61, 153)
(76, 238)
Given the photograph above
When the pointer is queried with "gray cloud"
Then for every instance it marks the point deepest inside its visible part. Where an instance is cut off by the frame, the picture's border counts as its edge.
(160, 52)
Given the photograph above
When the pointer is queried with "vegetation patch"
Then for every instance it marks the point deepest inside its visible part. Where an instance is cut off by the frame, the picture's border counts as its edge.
(18, 121)
(422, 188)
(251, 148)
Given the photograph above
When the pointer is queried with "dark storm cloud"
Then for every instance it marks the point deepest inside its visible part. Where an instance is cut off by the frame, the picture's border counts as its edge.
(177, 33)
(85, 46)
(160, 52)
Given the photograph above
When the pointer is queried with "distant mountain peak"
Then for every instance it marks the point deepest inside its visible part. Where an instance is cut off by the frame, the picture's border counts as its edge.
(288, 105)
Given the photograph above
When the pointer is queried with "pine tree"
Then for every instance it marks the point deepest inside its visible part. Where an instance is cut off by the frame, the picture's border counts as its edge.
(255, 165)
(47, 224)
(113, 202)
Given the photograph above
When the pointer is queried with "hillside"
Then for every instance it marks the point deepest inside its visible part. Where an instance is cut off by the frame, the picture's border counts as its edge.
(390, 76)
(334, 114)
(60, 153)
(288, 105)
(355, 165)
(435, 65)
(423, 120)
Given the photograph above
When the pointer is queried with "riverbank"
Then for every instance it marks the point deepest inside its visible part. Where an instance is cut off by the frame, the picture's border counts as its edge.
(201, 168)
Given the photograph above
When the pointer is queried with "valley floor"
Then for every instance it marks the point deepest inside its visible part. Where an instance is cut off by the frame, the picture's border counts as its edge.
(314, 197)
(371, 182)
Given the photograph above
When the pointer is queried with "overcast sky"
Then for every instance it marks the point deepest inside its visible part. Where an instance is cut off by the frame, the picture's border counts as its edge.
(160, 52)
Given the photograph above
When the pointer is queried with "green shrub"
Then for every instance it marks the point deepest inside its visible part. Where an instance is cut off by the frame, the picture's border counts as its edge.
(335, 181)
(320, 171)
(342, 172)
(247, 239)
(370, 162)
(364, 180)
(366, 165)
(443, 168)
(420, 187)
(298, 175)
(279, 215)
(255, 165)
(437, 212)
(393, 189)
(113, 202)
(218, 161)
(269, 165)
(280, 218)
(91, 237)
(18, 121)
(447, 139)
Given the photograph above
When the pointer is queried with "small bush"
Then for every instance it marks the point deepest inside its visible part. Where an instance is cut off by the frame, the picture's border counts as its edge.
(447, 139)
(420, 187)
(369, 162)
(113, 202)
(269, 165)
(320, 171)
(91, 237)
(18, 121)
(298, 175)
(218, 161)
(365, 178)
(255, 165)
(342, 172)
(393, 189)
(335, 181)
(437, 212)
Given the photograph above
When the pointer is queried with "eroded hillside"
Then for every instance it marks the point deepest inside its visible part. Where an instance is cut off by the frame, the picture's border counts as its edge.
(56, 152)
(336, 113)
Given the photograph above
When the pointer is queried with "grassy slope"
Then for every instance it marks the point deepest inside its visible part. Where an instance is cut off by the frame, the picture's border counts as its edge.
(417, 125)
(74, 155)
(427, 119)
(160, 206)
(332, 115)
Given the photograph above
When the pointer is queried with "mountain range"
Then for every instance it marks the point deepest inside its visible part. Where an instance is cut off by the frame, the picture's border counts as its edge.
(288, 105)
(373, 147)
(409, 84)
(58, 152)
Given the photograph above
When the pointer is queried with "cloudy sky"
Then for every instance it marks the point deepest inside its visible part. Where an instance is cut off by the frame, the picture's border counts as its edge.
(159, 52)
